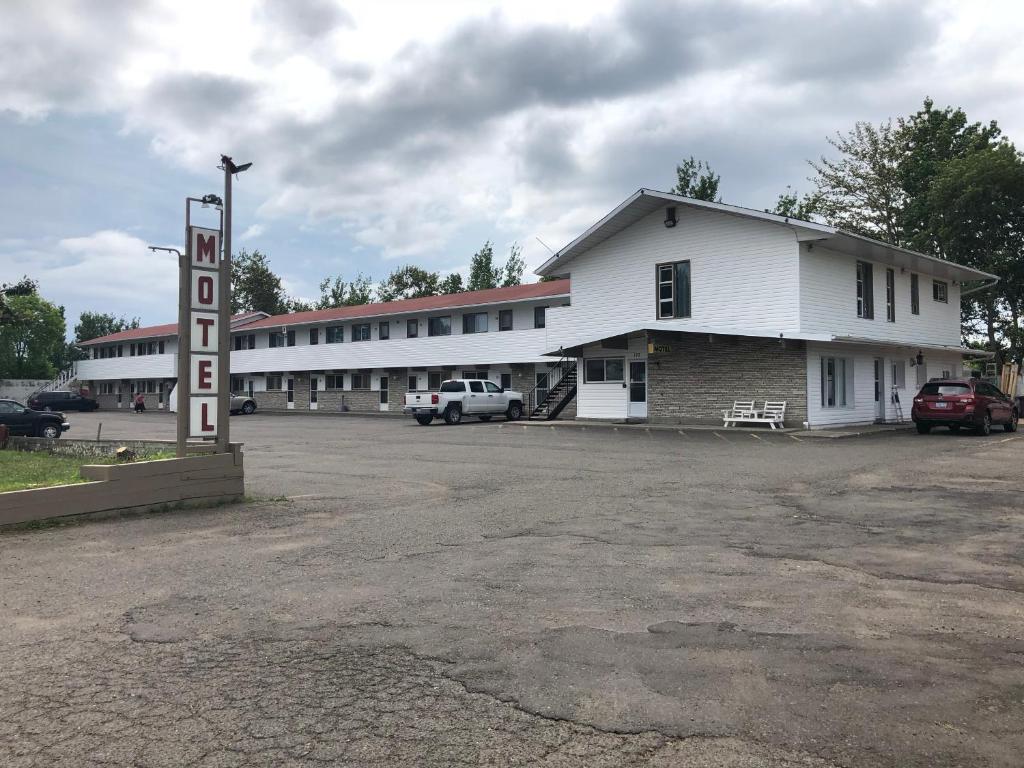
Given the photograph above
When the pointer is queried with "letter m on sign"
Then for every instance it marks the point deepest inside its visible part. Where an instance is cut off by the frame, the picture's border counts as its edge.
(206, 249)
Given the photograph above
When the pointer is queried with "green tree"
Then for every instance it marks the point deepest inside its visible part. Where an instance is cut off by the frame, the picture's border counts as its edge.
(975, 209)
(932, 138)
(32, 338)
(795, 207)
(24, 287)
(408, 282)
(482, 272)
(512, 272)
(254, 286)
(337, 293)
(92, 325)
(694, 178)
(862, 190)
(451, 284)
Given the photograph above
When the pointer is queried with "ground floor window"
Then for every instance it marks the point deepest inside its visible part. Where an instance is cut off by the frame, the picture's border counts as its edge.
(899, 373)
(434, 380)
(603, 369)
(506, 381)
(836, 382)
(237, 384)
(474, 374)
(360, 381)
(274, 382)
(335, 381)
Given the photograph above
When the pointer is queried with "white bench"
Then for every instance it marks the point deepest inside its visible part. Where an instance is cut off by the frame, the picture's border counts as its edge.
(741, 409)
(773, 414)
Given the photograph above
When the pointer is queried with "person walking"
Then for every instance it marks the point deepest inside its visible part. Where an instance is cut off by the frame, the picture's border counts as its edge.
(140, 403)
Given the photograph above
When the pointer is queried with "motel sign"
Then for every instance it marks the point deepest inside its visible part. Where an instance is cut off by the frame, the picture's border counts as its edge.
(206, 317)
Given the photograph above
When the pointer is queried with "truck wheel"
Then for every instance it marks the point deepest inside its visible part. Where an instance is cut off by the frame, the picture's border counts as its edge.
(1011, 425)
(50, 431)
(514, 412)
(923, 429)
(424, 419)
(485, 417)
(986, 425)
(453, 414)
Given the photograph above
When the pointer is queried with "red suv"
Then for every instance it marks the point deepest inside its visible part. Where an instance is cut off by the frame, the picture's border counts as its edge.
(956, 403)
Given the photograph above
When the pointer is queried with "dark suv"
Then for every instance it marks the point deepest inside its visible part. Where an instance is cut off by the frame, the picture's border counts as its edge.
(957, 403)
(61, 401)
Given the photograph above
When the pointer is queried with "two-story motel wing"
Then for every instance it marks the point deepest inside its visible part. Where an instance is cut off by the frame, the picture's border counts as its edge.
(678, 307)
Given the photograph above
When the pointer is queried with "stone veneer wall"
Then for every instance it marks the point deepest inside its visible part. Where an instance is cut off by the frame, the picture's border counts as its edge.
(699, 379)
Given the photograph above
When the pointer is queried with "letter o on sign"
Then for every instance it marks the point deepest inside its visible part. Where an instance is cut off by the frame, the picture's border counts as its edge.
(205, 286)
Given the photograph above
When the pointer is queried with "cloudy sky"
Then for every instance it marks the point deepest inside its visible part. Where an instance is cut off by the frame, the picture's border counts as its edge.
(394, 131)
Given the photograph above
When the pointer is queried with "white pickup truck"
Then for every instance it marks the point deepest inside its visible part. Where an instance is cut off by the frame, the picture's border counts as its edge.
(464, 397)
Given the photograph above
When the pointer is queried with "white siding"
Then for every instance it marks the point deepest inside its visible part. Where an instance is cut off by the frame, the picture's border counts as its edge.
(862, 408)
(139, 367)
(605, 399)
(744, 276)
(828, 302)
(470, 350)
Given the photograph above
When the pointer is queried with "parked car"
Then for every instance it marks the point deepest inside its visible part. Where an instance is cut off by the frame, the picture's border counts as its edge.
(956, 403)
(61, 401)
(242, 404)
(464, 397)
(20, 420)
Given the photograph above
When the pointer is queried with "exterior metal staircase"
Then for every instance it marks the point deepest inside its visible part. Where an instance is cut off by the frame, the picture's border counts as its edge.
(547, 403)
(61, 380)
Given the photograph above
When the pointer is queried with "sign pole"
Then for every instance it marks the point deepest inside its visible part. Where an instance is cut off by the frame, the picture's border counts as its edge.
(184, 339)
(224, 370)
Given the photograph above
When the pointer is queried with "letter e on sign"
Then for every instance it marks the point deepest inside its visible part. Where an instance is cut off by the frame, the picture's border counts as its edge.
(205, 327)
(203, 374)
(202, 417)
(205, 248)
(205, 290)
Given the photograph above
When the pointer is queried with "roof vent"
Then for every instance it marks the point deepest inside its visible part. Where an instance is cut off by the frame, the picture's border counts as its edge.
(670, 217)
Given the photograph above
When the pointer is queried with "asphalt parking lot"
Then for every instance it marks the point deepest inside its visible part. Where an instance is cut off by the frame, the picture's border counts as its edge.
(494, 594)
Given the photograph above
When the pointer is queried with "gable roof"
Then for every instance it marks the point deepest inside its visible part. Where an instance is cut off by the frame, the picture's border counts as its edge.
(646, 201)
(161, 331)
(424, 304)
(257, 320)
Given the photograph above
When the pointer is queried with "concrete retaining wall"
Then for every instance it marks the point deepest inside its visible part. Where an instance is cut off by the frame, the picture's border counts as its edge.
(192, 481)
(20, 389)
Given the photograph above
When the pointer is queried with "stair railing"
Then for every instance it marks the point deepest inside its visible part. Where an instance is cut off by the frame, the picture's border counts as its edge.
(562, 368)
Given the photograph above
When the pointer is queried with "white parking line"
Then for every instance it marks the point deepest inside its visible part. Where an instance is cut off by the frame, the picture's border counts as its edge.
(756, 437)
(795, 438)
(722, 438)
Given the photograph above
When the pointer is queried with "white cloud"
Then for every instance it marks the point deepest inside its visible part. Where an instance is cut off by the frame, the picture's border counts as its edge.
(252, 231)
(411, 124)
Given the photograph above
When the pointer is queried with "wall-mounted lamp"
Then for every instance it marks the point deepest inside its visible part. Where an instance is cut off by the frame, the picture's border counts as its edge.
(782, 341)
(920, 358)
(670, 217)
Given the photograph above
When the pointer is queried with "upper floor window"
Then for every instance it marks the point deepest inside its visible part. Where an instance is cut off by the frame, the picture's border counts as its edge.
(361, 332)
(505, 320)
(940, 291)
(673, 290)
(161, 349)
(540, 317)
(890, 295)
(335, 334)
(412, 328)
(865, 291)
(281, 339)
(314, 335)
(383, 330)
(915, 295)
(474, 322)
(439, 326)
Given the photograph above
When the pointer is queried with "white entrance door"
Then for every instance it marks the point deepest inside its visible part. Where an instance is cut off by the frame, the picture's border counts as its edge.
(637, 389)
(384, 392)
(314, 389)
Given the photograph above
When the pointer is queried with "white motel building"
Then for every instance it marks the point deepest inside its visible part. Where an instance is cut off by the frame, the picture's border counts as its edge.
(668, 310)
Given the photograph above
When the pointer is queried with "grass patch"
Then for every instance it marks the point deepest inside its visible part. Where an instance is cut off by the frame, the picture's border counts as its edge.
(21, 470)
